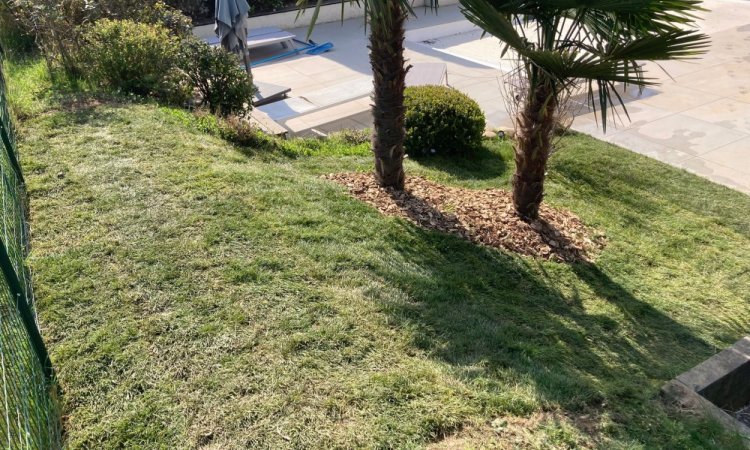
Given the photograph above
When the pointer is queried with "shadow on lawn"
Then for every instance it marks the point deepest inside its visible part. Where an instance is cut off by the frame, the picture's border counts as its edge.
(487, 313)
(480, 164)
(82, 109)
(646, 187)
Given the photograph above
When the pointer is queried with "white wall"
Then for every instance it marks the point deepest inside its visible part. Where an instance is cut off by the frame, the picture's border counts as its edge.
(287, 20)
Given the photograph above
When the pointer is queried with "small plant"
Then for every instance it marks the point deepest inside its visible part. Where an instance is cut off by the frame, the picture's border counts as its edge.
(441, 120)
(353, 137)
(233, 129)
(224, 87)
(129, 57)
(240, 132)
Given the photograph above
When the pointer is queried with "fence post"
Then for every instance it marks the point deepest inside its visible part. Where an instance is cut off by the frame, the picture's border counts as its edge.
(26, 315)
(5, 135)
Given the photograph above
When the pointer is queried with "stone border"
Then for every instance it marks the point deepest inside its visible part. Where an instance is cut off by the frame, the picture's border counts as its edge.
(685, 390)
(261, 120)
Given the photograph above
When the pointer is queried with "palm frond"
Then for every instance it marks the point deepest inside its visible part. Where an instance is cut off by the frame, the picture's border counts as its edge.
(596, 43)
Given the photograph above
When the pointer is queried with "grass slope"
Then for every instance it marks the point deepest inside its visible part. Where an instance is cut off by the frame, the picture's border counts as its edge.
(196, 297)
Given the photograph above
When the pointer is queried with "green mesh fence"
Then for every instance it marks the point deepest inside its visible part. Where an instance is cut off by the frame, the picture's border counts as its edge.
(29, 417)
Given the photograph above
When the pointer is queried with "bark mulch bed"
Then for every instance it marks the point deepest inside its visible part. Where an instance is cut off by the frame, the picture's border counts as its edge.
(480, 216)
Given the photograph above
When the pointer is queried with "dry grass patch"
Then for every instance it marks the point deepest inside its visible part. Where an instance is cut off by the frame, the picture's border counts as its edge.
(548, 430)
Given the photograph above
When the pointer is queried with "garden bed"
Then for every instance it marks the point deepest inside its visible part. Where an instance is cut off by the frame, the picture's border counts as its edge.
(481, 216)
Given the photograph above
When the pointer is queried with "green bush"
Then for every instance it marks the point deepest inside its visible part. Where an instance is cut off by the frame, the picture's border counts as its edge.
(150, 60)
(240, 132)
(352, 136)
(56, 25)
(162, 14)
(223, 86)
(14, 36)
(441, 120)
(130, 57)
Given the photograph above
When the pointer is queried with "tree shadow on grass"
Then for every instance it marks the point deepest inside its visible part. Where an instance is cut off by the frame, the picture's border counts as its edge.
(500, 320)
(481, 163)
(79, 110)
(640, 186)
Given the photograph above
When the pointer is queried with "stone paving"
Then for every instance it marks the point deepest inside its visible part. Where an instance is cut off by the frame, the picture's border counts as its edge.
(697, 119)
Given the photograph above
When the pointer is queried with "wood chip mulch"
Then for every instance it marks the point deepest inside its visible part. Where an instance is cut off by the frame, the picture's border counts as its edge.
(481, 216)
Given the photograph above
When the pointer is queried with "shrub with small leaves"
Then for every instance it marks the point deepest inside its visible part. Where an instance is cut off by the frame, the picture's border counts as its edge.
(56, 26)
(441, 120)
(15, 37)
(240, 132)
(129, 57)
(171, 18)
(353, 137)
(224, 87)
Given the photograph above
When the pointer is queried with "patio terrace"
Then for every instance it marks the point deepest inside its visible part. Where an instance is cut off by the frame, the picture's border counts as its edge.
(698, 119)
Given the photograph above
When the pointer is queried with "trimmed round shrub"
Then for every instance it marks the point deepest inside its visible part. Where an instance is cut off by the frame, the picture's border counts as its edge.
(129, 57)
(223, 85)
(441, 120)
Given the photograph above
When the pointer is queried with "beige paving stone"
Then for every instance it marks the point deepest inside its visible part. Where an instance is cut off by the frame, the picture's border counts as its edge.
(717, 173)
(338, 75)
(327, 115)
(735, 155)
(729, 47)
(725, 112)
(674, 97)
(667, 71)
(638, 144)
(722, 15)
(687, 134)
(726, 80)
(638, 114)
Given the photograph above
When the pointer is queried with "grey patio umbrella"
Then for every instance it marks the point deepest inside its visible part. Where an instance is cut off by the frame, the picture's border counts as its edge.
(231, 27)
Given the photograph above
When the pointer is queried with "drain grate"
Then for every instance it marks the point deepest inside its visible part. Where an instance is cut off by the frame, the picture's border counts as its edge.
(719, 387)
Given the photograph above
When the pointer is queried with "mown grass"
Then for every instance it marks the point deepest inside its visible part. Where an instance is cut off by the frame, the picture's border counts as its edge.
(193, 296)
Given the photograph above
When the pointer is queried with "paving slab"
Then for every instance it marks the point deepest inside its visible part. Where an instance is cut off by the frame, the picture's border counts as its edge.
(724, 112)
(733, 155)
(719, 173)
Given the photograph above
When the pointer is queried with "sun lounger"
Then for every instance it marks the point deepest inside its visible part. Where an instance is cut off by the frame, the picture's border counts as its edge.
(260, 37)
(269, 36)
(269, 93)
(422, 74)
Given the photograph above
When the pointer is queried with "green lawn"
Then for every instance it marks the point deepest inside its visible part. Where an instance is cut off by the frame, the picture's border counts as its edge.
(197, 295)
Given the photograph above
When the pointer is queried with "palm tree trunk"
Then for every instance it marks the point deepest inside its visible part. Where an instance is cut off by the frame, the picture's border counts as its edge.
(389, 76)
(535, 125)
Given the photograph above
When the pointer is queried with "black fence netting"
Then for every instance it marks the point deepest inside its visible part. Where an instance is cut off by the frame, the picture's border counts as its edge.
(29, 414)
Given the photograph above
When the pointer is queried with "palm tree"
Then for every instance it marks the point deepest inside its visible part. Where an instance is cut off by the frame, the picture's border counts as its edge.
(386, 20)
(565, 44)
